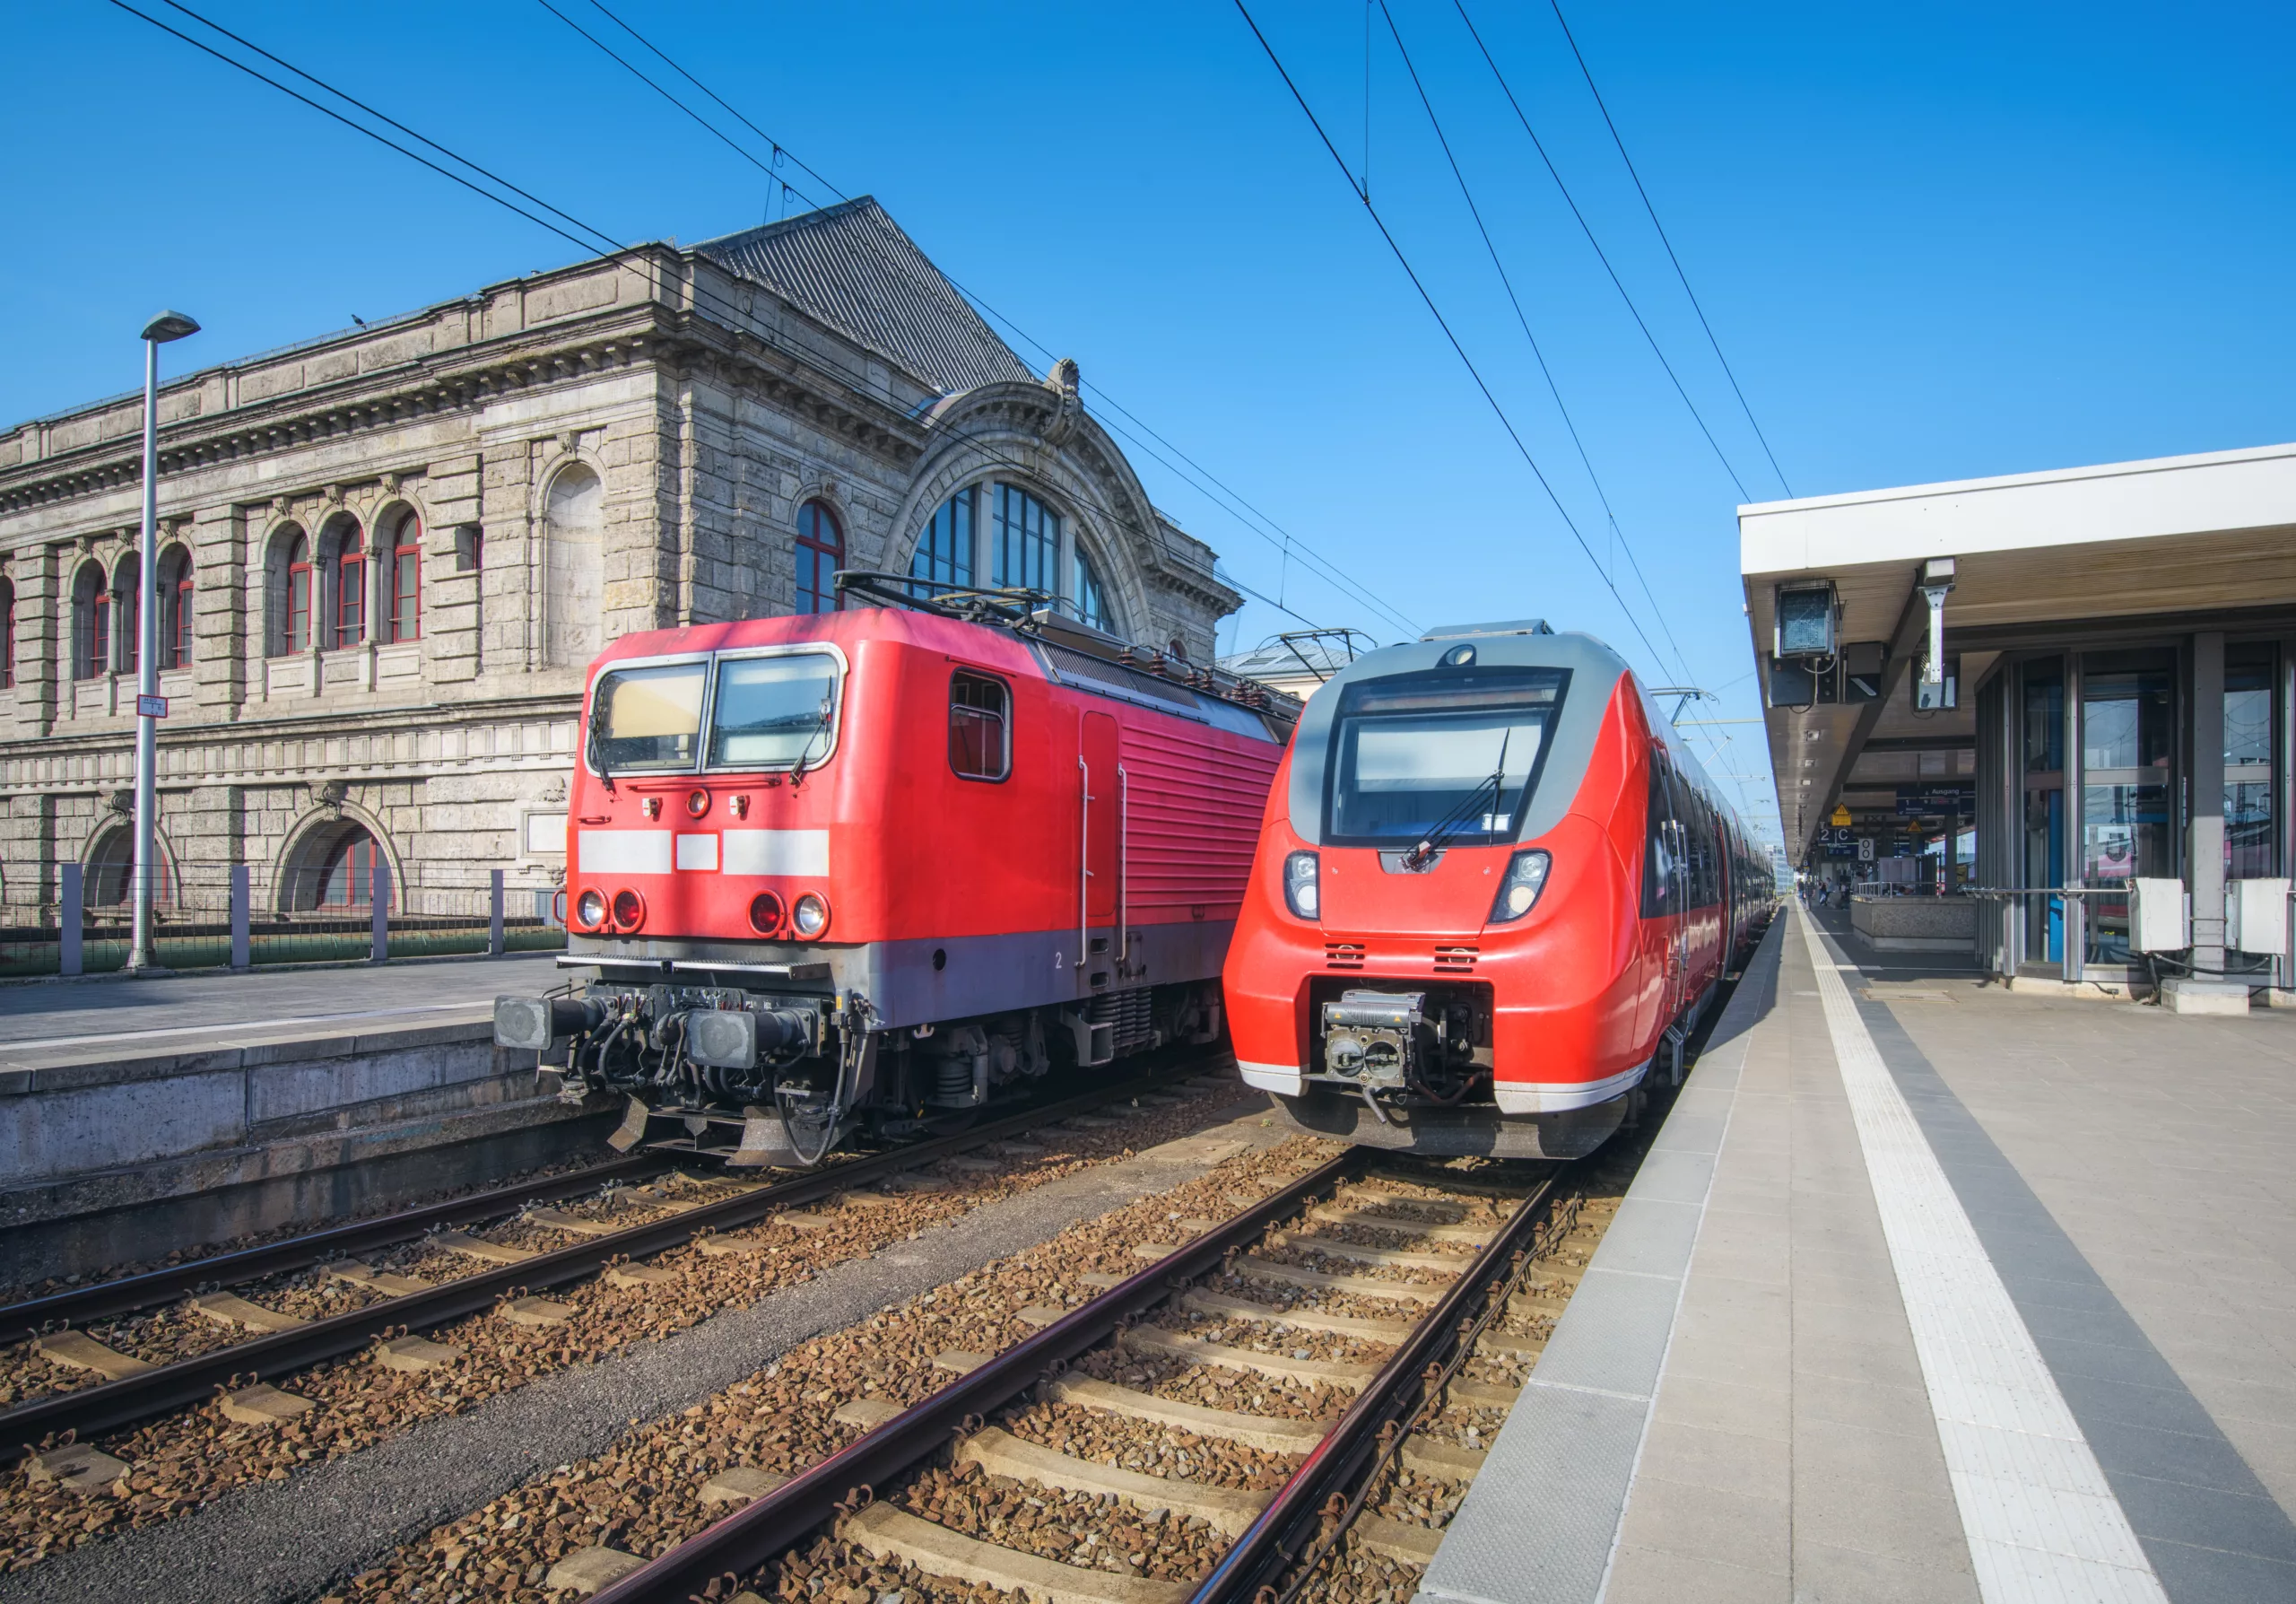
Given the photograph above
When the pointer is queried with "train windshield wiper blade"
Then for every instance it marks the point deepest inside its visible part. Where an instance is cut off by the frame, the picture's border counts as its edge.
(1452, 822)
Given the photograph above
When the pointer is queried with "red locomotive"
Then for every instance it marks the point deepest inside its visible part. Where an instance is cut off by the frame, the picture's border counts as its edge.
(873, 868)
(1493, 890)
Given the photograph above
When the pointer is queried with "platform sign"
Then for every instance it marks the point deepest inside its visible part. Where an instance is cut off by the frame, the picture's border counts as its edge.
(150, 707)
(1922, 801)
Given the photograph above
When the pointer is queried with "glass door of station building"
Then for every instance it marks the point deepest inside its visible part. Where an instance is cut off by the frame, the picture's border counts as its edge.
(2115, 811)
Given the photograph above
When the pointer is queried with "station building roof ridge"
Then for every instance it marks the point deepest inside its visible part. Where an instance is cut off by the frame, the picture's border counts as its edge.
(853, 266)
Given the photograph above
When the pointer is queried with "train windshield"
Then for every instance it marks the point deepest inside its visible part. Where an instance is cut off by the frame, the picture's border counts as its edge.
(647, 717)
(776, 712)
(1455, 753)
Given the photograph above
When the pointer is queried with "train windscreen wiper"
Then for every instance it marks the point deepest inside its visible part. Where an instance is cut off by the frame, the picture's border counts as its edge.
(1452, 822)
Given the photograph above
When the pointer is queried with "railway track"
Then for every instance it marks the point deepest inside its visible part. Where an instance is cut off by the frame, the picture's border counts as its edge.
(548, 1248)
(1310, 1380)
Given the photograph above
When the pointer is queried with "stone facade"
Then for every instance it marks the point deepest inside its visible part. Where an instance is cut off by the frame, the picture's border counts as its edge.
(624, 444)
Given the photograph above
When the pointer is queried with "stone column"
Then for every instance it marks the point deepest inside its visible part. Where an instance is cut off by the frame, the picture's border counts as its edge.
(219, 611)
(2205, 840)
(452, 557)
(41, 609)
(511, 574)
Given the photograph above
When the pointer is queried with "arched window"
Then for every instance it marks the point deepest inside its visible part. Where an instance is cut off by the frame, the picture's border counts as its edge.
(127, 599)
(111, 871)
(821, 552)
(1028, 542)
(347, 874)
(174, 608)
(1091, 601)
(346, 579)
(7, 634)
(945, 550)
(406, 580)
(287, 591)
(573, 567)
(91, 623)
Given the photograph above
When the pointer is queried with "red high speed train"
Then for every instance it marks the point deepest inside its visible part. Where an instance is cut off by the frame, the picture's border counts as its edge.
(875, 867)
(1494, 889)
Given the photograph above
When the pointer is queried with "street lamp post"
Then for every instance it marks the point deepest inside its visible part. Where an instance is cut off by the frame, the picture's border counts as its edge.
(158, 332)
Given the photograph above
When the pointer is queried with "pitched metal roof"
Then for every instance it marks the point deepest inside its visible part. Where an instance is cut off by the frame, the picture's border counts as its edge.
(852, 267)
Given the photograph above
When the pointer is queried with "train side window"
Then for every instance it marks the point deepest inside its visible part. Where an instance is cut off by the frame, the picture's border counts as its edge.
(980, 727)
(1657, 851)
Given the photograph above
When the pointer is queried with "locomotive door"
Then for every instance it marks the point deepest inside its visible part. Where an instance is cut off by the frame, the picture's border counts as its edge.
(1099, 821)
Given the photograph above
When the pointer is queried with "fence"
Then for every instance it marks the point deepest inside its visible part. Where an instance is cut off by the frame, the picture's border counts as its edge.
(238, 917)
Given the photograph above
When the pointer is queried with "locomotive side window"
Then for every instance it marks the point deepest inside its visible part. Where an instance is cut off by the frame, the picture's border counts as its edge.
(980, 732)
(774, 712)
(647, 717)
(1447, 753)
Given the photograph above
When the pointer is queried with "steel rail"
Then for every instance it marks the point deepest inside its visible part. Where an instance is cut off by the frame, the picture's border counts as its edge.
(110, 1405)
(128, 1293)
(1288, 1524)
(770, 1525)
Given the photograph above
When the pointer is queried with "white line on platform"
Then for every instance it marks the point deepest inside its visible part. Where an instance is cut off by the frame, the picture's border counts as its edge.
(241, 1027)
(2041, 1521)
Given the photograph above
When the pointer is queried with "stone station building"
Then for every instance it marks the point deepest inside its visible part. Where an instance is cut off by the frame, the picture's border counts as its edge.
(388, 554)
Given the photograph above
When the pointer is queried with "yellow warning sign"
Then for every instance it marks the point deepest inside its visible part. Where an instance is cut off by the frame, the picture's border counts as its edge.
(1840, 819)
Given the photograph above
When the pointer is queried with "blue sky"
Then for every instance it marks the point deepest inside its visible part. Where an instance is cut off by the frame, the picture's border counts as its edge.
(1935, 244)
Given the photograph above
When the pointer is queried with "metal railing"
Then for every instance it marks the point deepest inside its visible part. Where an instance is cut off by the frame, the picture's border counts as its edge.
(236, 916)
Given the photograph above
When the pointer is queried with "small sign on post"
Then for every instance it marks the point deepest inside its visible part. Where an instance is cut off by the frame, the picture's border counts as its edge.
(150, 707)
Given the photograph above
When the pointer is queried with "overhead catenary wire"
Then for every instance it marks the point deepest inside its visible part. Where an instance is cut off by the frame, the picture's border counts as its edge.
(1282, 538)
(1587, 229)
(1604, 108)
(1443, 323)
(1522, 321)
(611, 250)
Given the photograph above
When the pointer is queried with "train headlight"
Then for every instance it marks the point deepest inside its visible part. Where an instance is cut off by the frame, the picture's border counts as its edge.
(1518, 893)
(1303, 891)
(629, 910)
(590, 909)
(810, 916)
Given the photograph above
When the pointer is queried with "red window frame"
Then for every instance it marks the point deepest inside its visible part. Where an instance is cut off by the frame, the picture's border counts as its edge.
(180, 636)
(406, 581)
(350, 593)
(95, 645)
(299, 594)
(351, 869)
(818, 557)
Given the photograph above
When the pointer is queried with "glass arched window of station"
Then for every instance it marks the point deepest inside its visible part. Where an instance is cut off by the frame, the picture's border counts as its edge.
(2116, 812)
(1029, 546)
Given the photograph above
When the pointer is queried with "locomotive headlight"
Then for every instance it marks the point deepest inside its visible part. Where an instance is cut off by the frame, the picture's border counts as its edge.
(1303, 885)
(1518, 893)
(590, 909)
(810, 916)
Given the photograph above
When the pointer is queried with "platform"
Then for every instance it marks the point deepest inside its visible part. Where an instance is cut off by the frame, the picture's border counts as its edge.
(1928, 1291)
(243, 1102)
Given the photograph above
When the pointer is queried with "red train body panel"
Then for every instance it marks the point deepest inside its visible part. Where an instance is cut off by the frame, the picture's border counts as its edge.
(873, 867)
(1404, 1001)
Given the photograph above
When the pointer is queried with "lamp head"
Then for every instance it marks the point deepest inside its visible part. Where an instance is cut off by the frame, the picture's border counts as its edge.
(168, 326)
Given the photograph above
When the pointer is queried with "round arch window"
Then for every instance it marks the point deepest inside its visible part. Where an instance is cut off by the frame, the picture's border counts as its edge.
(821, 552)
